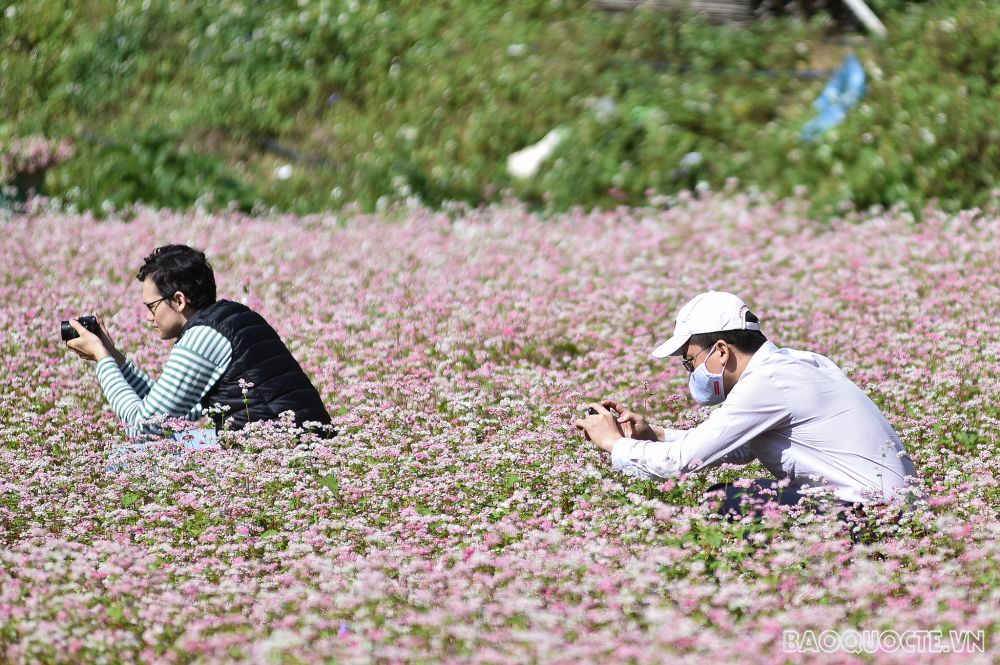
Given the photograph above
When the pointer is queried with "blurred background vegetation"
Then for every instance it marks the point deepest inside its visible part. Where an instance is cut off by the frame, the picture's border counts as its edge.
(308, 105)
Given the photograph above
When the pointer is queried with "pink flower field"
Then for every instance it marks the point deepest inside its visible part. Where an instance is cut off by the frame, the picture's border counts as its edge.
(458, 517)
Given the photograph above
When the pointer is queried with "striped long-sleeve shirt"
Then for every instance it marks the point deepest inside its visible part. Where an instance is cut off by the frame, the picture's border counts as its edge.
(196, 362)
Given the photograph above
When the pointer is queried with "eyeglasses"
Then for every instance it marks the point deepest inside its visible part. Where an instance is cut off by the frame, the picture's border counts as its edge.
(151, 306)
(689, 362)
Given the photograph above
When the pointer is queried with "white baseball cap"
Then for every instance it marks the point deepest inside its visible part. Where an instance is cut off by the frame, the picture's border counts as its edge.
(712, 311)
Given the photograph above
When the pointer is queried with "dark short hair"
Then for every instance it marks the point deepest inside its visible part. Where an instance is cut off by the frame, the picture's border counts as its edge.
(176, 268)
(747, 341)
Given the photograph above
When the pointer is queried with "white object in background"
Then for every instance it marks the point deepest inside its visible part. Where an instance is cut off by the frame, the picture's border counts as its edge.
(867, 17)
(691, 160)
(603, 109)
(284, 172)
(526, 162)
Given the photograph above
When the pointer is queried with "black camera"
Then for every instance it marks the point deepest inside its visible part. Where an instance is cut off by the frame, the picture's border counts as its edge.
(591, 411)
(88, 322)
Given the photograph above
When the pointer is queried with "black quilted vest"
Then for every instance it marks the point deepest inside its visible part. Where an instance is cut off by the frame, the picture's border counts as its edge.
(261, 358)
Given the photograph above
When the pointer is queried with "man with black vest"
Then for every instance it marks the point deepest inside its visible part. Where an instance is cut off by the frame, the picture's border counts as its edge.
(227, 361)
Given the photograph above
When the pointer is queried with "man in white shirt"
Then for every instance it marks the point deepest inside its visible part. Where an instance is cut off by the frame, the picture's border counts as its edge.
(795, 411)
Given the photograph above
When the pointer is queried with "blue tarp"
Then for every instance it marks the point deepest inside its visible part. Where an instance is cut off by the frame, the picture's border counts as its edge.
(839, 96)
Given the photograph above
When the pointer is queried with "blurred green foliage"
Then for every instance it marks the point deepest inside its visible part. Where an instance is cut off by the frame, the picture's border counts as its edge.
(154, 166)
(403, 99)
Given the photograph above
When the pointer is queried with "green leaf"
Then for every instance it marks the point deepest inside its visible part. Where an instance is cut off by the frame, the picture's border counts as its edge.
(331, 483)
(116, 612)
(130, 498)
(270, 533)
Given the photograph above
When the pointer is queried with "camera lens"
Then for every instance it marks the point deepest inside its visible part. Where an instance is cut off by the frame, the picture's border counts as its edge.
(67, 331)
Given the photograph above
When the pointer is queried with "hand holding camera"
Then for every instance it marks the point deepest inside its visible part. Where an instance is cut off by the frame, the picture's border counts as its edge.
(591, 411)
(87, 337)
(633, 425)
(600, 426)
(88, 322)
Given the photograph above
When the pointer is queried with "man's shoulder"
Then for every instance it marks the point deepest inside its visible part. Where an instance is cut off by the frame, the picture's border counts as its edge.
(770, 377)
(203, 340)
(196, 333)
(222, 309)
(228, 316)
(793, 373)
(788, 357)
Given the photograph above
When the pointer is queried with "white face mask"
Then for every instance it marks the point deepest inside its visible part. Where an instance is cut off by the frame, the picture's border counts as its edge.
(706, 388)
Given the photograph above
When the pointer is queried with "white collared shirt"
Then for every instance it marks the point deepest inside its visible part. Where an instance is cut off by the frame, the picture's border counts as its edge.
(800, 415)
